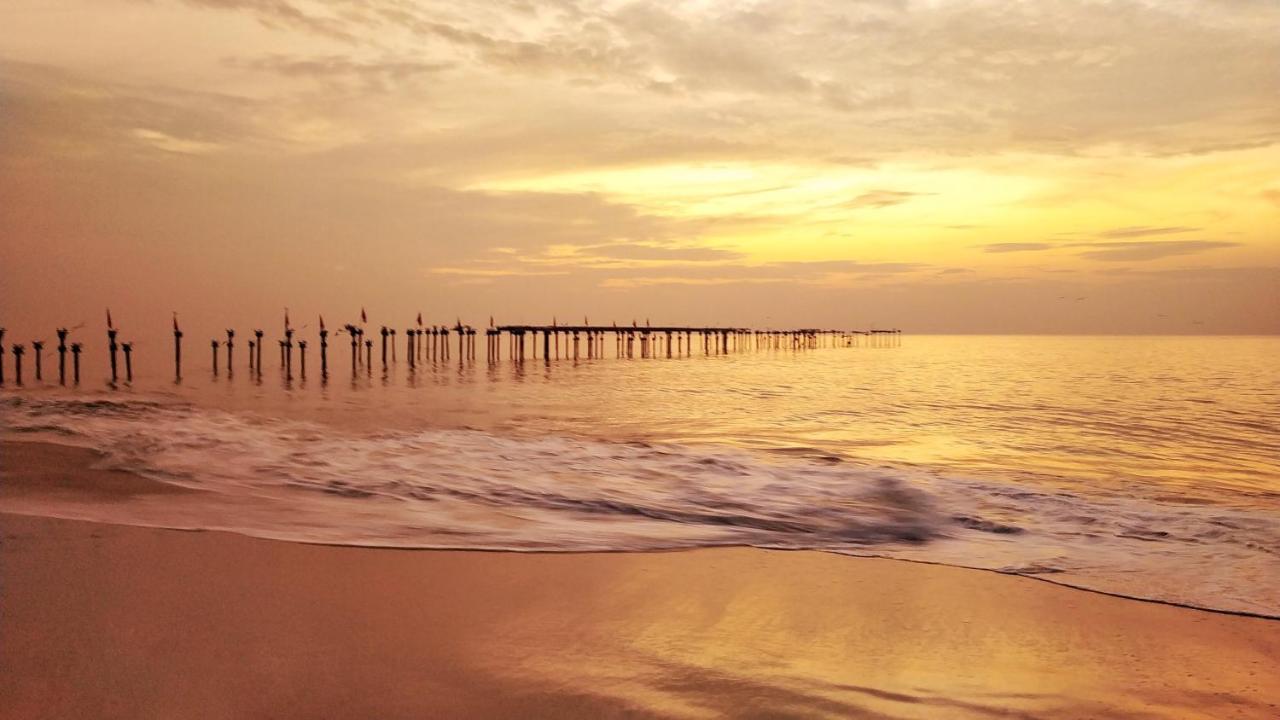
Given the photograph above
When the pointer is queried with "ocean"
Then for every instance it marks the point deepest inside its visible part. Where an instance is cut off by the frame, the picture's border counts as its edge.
(1141, 466)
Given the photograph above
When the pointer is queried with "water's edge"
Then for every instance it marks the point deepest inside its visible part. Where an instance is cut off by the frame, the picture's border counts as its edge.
(654, 551)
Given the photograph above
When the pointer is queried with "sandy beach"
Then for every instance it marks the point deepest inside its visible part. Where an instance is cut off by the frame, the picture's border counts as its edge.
(111, 621)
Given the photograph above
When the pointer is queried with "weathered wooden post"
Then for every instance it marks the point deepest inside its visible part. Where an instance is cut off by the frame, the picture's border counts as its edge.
(302, 358)
(257, 361)
(18, 351)
(385, 333)
(75, 361)
(324, 349)
(252, 347)
(368, 364)
(62, 356)
(111, 344)
(288, 353)
(128, 361)
(409, 335)
(355, 346)
(38, 346)
(231, 341)
(177, 351)
(393, 346)
(214, 345)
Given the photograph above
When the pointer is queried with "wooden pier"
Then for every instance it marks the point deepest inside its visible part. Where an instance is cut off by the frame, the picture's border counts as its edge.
(635, 341)
(428, 346)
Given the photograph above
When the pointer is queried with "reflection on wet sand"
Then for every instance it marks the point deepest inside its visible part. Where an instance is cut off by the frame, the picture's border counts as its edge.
(115, 621)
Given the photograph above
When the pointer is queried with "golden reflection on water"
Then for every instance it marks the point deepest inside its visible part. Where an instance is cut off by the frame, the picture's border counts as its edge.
(1192, 415)
(734, 632)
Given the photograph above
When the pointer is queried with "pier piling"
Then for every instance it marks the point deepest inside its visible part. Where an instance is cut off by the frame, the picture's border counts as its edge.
(231, 339)
(128, 361)
(257, 361)
(111, 344)
(288, 353)
(18, 352)
(62, 356)
(324, 350)
(177, 351)
(38, 347)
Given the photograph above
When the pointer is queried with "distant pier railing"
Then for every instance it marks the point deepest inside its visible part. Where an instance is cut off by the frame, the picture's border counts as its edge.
(433, 345)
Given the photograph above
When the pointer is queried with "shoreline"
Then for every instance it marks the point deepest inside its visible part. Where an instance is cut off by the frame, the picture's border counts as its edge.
(48, 470)
(698, 633)
(114, 620)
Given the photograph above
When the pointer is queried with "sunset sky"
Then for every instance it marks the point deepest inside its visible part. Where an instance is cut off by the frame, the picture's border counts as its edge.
(937, 165)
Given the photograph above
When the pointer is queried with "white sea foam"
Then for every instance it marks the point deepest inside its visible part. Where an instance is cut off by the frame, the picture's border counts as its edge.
(473, 489)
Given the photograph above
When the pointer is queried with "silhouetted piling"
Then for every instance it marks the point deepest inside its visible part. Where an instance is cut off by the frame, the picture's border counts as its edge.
(393, 346)
(75, 361)
(288, 353)
(214, 345)
(62, 356)
(252, 348)
(38, 346)
(385, 333)
(18, 351)
(128, 361)
(231, 341)
(111, 343)
(177, 351)
(302, 359)
(355, 347)
(368, 351)
(257, 349)
(324, 350)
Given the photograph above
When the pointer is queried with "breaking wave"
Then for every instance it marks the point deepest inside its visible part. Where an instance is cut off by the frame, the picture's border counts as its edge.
(457, 488)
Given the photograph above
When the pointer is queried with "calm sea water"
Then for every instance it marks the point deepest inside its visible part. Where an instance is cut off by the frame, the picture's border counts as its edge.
(1137, 465)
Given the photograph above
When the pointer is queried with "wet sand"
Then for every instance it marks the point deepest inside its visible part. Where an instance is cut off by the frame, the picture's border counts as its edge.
(104, 621)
